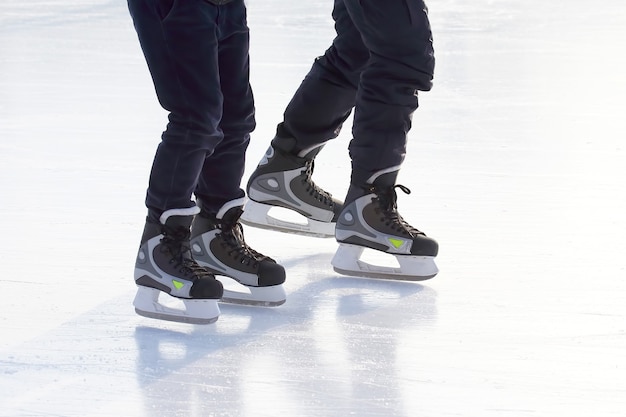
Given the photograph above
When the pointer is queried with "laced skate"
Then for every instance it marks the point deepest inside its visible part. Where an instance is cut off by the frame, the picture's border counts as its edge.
(373, 222)
(283, 179)
(166, 268)
(218, 244)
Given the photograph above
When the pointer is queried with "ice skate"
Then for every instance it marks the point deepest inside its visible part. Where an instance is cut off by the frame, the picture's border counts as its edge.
(218, 244)
(283, 179)
(165, 268)
(372, 221)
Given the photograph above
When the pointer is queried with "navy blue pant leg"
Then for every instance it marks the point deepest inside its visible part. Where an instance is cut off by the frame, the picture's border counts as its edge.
(382, 55)
(180, 40)
(398, 36)
(327, 94)
(221, 175)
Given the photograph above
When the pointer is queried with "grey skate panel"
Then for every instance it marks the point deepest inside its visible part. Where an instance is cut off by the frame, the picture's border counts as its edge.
(154, 269)
(200, 254)
(217, 258)
(349, 224)
(274, 184)
(284, 189)
(143, 261)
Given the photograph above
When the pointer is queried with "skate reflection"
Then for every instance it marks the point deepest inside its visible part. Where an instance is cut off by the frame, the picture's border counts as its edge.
(333, 347)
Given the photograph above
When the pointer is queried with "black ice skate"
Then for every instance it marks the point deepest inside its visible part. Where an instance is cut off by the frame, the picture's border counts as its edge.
(372, 221)
(165, 266)
(283, 179)
(218, 243)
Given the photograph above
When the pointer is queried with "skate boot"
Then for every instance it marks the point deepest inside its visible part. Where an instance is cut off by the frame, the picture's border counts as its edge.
(372, 221)
(283, 179)
(218, 244)
(165, 266)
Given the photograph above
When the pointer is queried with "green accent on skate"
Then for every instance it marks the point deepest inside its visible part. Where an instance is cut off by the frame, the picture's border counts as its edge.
(396, 243)
(178, 284)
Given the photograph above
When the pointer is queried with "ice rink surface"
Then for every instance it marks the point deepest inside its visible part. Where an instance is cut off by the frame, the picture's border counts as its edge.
(517, 166)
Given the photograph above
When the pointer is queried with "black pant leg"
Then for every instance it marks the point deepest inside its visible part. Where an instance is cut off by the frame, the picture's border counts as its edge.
(327, 94)
(398, 36)
(220, 180)
(179, 42)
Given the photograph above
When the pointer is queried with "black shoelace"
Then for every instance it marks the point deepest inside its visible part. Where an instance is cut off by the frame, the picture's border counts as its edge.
(312, 188)
(388, 209)
(176, 243)
(232, 237)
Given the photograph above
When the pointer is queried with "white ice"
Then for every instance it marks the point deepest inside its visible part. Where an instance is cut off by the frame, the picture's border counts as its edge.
(516, 162)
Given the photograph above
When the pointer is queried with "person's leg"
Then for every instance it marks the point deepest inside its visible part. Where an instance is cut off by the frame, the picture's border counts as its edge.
(220, 180)
(179, 41)
(397, 34)
(327, 94)
(217, 236)
(314, 115)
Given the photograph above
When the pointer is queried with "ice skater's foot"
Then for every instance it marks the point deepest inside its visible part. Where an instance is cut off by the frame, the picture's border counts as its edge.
(283, 179)
(372, 221)
(218, 244)
(165, 267)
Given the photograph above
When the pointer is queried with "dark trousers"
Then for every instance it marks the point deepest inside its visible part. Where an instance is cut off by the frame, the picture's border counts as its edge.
(382, 55)
(197, 54)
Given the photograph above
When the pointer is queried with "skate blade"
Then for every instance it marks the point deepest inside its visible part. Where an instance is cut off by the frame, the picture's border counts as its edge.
(265, 216)
(235, 293)
(148, 304)
(347, 261)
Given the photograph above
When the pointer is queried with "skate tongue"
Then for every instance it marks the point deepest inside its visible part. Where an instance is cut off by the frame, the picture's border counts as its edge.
(179, 248)
(231, 217)
(388, 200)
(176, 234)
(229, 223)
(232, 231)
(313, 189)
(388, 196)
